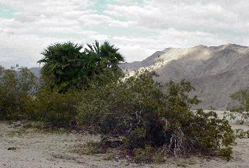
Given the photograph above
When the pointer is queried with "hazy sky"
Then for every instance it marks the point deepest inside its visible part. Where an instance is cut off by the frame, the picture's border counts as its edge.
(137, 27)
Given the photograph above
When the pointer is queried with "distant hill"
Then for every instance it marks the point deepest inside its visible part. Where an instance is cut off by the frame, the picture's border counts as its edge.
(36, 71)
(216, 71)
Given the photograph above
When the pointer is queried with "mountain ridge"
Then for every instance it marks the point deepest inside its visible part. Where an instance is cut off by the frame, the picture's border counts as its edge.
(215, 71)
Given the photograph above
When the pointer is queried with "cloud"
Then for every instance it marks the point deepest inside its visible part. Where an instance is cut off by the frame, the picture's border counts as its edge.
(178, 14)
(137, 27)
(145, 46)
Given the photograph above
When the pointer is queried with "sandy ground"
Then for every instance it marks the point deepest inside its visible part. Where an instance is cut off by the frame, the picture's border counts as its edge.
(21, 148)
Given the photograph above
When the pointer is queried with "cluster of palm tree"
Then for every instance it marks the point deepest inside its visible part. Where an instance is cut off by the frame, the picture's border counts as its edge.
(69, 65)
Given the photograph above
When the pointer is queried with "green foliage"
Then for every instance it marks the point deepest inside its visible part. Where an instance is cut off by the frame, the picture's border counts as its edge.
(102, 64)
(67, 69)
(66, 66)
(57, 109)
(62, 64)
(210, 132)
(226, 153)
(136, 139)
(17, 88)
(138, 112)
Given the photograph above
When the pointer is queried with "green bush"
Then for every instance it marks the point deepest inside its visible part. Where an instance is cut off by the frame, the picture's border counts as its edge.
(57, 109)
(17, 90)
(242, 98)
(143, 113)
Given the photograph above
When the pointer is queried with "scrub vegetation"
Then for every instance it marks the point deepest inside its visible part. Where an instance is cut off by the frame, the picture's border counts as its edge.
(84, 89)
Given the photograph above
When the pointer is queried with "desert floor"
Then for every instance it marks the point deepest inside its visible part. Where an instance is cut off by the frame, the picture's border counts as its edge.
(21, 148)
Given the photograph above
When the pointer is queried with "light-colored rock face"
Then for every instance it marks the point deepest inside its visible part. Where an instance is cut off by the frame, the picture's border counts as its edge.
(216, 71)
(161, 59)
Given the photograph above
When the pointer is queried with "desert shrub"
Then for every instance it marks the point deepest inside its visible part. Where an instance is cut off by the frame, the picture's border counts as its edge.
(242, 99)
(89, 148)
(142, 113)
(240, 133)
(148, 154)
(57, 109)
(17, 89)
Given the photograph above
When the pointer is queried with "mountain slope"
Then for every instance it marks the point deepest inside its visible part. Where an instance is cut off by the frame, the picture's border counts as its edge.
(36, 71)
(216, 72)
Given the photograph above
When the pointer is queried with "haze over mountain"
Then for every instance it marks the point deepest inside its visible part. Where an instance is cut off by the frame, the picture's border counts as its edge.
(216, 71)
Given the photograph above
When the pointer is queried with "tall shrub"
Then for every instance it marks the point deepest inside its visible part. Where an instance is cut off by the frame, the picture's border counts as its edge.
(17, 89)
(57, 109)
(144, 113)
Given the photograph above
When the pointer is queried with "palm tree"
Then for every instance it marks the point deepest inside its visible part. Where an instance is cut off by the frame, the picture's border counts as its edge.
(62, 63)
(103, 62)
(66, 66)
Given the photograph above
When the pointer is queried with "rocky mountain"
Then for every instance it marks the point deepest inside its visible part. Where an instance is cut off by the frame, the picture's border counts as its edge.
(216, 71)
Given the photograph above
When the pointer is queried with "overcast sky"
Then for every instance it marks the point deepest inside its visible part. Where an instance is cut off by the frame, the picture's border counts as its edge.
(137, 27)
